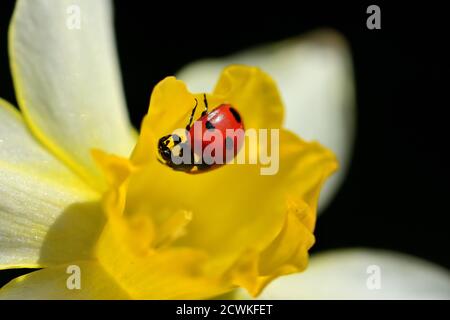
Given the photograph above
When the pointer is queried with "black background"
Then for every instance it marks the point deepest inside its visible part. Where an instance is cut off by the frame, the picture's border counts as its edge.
(396, 195)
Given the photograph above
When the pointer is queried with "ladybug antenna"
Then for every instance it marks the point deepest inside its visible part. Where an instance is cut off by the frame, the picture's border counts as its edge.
(188, 127)
(206, 105)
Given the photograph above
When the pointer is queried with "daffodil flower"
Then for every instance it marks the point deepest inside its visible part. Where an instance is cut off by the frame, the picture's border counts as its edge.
(79, 188)
(134, 227)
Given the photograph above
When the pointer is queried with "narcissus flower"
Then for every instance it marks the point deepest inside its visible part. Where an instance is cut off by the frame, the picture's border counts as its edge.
(80, 188)
(140, 229)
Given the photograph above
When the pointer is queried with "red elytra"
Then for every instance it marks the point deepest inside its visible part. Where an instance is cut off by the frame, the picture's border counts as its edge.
(224, 120)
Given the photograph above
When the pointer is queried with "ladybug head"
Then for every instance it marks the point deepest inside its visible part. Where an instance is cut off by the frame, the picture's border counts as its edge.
(165, 146)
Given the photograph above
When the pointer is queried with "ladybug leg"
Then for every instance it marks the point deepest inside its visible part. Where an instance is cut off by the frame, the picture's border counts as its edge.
(206, 105)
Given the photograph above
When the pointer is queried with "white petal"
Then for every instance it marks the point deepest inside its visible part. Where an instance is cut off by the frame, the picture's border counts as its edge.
(67, 80)
(35, 189)
(349, 274)
(61, 283)
(315, 77)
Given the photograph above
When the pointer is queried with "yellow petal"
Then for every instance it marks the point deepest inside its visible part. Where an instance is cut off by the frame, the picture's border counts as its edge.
(170, 107)
(67, 80)
(47, 214)
(52, 284)
(253, 93)
(115, 168)
(248, 227)
(303, 169)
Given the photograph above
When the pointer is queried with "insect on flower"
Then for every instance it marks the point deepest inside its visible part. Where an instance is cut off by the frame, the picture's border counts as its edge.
(219, 131)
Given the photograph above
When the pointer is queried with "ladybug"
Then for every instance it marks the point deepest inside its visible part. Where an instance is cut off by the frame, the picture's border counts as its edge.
(224, 120)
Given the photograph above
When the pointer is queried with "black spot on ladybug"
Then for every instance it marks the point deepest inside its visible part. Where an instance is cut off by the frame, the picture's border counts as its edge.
(235, 114)
(209, 125)
(229, 143)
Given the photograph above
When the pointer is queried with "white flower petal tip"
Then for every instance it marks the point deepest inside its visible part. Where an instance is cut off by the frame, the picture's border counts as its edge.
(363, 274)
(67, 80)
(315, 77)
